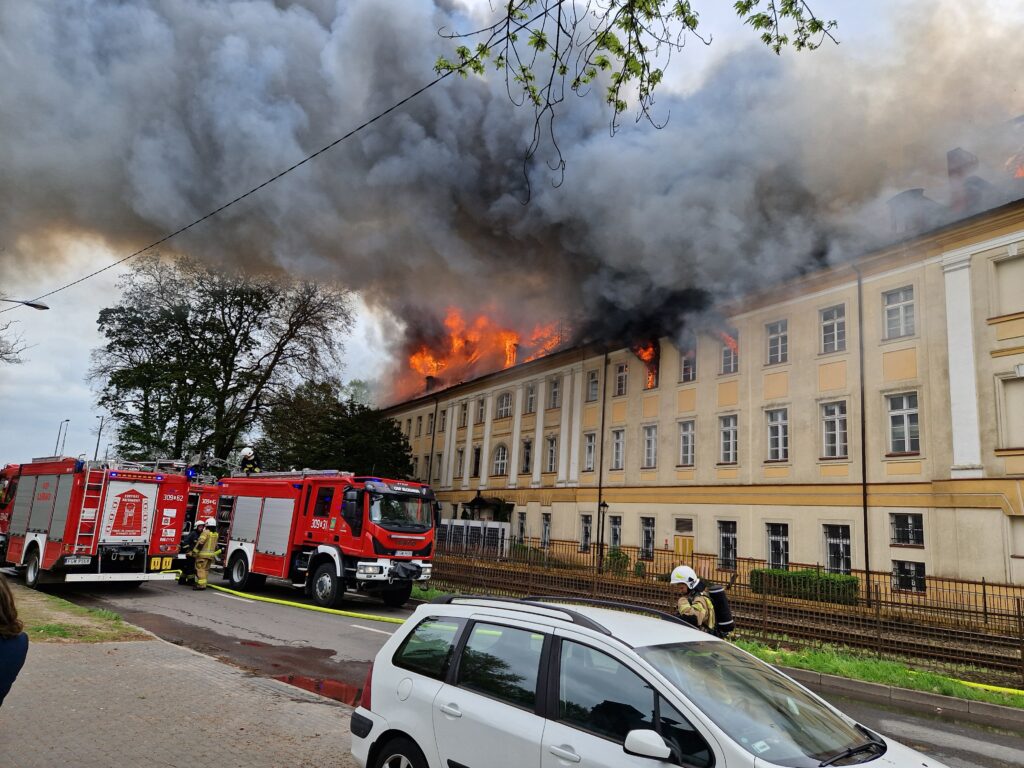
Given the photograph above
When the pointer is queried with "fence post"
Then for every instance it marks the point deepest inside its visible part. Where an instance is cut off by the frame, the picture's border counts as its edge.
(1020, 634)
(984, 600)
(878, 614)
(764, 608)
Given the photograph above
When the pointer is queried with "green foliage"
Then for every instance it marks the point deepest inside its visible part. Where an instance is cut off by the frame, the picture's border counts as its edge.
(640, 569)
(616, 562)
(806, 584)
(191, 355)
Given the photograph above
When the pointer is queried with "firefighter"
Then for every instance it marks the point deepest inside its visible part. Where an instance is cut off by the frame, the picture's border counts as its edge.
(250, 461)
(188, 543)
(204, 552)
(694, 605)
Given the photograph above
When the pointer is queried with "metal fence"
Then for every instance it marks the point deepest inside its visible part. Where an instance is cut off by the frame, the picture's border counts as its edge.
(973, 630)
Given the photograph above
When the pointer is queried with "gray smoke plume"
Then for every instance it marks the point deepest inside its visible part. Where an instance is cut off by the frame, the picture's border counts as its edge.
(123, 121)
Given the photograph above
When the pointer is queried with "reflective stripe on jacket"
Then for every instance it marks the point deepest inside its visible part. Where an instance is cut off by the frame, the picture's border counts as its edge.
(699, 608)
(207, 545)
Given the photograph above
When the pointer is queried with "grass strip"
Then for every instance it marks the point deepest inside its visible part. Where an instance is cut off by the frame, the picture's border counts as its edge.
(51, 619)
(848, 663)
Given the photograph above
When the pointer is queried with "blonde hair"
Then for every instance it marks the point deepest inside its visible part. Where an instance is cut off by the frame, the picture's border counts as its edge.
(10, 624)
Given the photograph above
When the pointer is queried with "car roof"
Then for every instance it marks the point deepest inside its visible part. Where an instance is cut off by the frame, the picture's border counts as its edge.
(636, 626)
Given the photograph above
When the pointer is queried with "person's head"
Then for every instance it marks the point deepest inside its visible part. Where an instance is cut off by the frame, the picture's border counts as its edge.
(200, 524)
(211, 523)
(684, 578)
(10, 624)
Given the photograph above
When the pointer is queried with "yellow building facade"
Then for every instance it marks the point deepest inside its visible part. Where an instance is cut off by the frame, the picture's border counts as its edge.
(757, 452)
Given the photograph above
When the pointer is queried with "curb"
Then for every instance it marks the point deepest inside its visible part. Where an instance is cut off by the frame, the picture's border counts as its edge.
(945, 706)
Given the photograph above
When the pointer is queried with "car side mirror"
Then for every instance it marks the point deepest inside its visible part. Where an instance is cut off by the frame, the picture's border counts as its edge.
(644, 742)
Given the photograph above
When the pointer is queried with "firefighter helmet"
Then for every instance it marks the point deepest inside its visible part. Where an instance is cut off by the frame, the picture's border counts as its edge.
(210, 522)
(684, 574)
(247, 453)
(200, 521)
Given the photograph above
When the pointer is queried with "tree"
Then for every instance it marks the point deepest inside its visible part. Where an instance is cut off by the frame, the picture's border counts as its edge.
(193, 355)
(543, 46)
(318, 425)
(11, 346)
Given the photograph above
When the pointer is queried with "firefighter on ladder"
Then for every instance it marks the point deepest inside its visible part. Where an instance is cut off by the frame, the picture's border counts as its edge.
(205, 552)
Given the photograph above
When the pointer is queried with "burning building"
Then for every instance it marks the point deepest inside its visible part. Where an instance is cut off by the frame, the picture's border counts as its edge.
(862, 415)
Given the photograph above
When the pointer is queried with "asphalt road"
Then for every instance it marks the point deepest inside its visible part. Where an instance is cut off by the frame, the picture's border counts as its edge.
(330, 654)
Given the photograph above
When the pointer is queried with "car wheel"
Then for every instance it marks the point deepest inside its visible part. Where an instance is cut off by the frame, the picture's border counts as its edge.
(328, 589)
(396, 598)
(238, 573)
(32, 568)
(400, 753)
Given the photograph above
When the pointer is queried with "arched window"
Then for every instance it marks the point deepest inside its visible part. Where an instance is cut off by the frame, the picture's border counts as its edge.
(504, 408)
(499, 465)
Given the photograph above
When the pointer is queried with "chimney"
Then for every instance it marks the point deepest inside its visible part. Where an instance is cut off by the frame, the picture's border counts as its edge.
(911, 211)
(429, 384)
(960, 164)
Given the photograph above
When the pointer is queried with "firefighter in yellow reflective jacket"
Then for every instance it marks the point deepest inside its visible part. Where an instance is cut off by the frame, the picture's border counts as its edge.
(694, 606)
(205, 553)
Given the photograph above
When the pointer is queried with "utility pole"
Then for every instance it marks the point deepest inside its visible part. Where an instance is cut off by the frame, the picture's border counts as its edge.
(96, 453)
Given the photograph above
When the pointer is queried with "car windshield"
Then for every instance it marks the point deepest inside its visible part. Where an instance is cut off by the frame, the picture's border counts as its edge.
(769, 716)
(397, 510)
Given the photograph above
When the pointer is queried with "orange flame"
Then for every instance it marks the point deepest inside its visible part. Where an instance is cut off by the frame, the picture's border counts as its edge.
(649, 353)
(729, 341)
(1015, 165)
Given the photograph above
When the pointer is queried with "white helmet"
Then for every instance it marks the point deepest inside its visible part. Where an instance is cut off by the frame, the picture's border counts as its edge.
(684, 574)
(247, 453)
(210, 522)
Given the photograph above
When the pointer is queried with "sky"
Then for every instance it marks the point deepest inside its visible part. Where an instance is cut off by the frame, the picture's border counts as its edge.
(50, 385)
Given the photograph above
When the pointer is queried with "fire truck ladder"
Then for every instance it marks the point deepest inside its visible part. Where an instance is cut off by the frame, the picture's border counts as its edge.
(95, 485)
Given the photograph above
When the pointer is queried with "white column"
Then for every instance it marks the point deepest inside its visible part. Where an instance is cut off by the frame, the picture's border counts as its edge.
(517, 425)
(564, 437)
(485, 450)
(449, 445)
(577, 420)
(963, 382)
(538, 433)
(467, 449)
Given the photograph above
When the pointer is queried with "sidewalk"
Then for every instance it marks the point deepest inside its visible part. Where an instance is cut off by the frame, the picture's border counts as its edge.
(155, 704)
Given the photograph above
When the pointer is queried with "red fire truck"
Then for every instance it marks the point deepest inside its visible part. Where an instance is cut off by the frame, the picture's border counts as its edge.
(71, 520)
(328, 531)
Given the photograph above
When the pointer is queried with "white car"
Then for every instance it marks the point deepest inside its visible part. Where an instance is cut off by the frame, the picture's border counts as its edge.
(470, 682)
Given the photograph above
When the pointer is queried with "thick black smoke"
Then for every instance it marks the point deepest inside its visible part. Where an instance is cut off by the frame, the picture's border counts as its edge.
(122, 121)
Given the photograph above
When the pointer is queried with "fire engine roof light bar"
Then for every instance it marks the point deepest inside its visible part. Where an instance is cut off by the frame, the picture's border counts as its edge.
(32, 304)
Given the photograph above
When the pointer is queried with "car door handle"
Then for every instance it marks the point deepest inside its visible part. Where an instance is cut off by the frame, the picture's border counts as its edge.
(452, 710)
(565, 752)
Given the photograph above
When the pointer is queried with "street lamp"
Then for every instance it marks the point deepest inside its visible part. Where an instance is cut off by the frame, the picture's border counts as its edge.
(32, 304)
(602, 510)
(60, 428)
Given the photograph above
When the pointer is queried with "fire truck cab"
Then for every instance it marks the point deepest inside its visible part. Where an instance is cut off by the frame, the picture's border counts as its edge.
(328, 531)
(72, 520)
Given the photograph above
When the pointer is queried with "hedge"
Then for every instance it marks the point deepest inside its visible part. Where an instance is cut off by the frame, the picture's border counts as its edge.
(806, 585)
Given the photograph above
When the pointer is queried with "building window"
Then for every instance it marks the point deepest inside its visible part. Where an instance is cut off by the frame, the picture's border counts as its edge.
(646, 538)
(592, 386)
(464, 415)
(684, 526)
(460, 459)
(730, 355)
(727, 545)
(899, 312)
(589, 451)
(408, 427)
(688, 359)
(545, 530)
(531, 398)
(500, 464)
(778, 342)
(778, 434)
(650, 436)
(778, 546)
(504, 407)
(728, 426)
(621, 379)
(837, 548)
(833, 329)
(833, 427)
(616, 530)
(444, 420)
(527, 465)
(907, 529)
(521, 532)
(554, 393)
(1009, 279)
(904, 435)
(437, 467)
(476, 461)
(1011, 415)
(585, 527)
(419, 426)
(481, 410)
(908, 576)
(430, 423)
(426, 468)
(415, 466)
(687, 442)
(618, 448)
(551, 454)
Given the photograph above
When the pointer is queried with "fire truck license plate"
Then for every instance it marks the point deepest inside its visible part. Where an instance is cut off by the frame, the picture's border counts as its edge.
(77, 560)
(403, 553)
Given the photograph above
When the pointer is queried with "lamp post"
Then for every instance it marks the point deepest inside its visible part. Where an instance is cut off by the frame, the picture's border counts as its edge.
(32, 304)
(96, 453)
(602, 510)
(60, 428)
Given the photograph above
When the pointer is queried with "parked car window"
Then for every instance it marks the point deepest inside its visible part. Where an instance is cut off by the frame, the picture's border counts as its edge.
(769, 716)
(598, 694)
(502, 662)
(428, 648)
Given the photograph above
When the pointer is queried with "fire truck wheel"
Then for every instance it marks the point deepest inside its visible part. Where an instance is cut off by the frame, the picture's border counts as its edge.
(400, 753)
(238, 573)
(32, 568)
(397, 597)
(328, 589)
